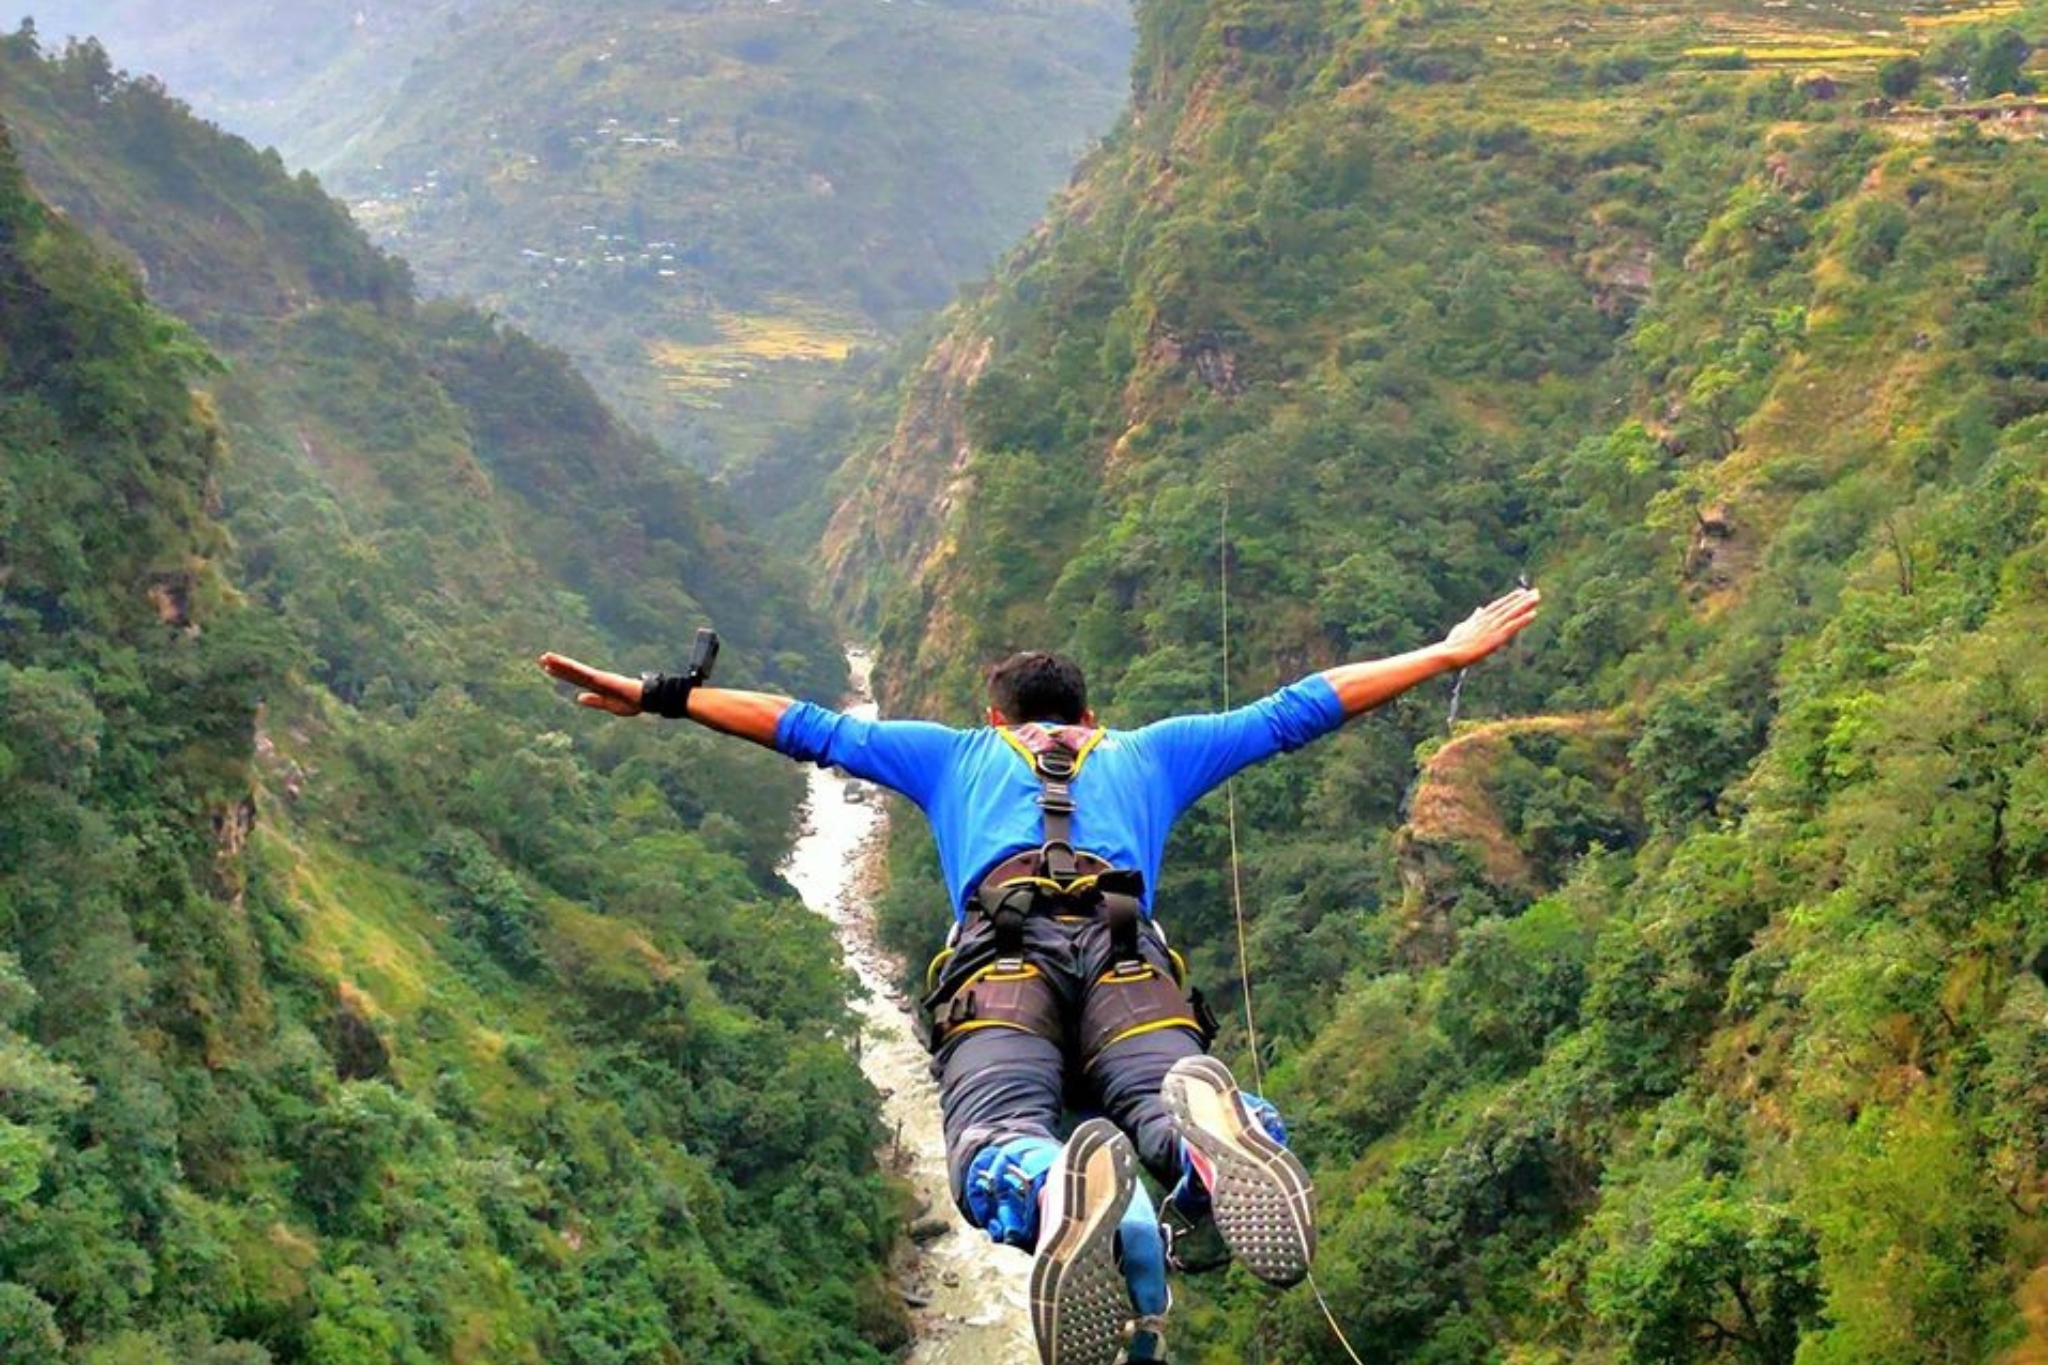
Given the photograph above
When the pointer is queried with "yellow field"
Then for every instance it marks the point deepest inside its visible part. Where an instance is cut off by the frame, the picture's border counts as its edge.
(1979, 15)
(748, 341)
(1807, 53)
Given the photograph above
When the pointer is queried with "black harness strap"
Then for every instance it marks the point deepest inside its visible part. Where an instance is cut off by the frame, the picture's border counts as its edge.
(1132, 997)
(1059, 880)
(1056, 765)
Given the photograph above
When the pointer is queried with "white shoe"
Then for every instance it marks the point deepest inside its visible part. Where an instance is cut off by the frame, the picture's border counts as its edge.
(1263, 1201)
(1079, 1302)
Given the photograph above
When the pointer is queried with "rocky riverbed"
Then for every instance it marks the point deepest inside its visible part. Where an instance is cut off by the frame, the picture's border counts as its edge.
(968, 1296)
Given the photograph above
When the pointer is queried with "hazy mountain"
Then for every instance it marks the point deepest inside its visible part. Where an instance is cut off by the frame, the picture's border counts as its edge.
(710, 205)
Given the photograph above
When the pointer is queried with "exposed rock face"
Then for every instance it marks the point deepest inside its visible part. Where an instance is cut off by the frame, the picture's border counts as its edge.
(232, 827)
(1622, 277)
(171, 595)
(893, 520)
(1705, 558)
(360, 1052)
(1464, 853)
(1213, 363)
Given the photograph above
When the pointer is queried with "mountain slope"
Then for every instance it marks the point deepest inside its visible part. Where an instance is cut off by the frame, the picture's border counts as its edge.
(1693, 1011)
(710, 206)
(362, 1000)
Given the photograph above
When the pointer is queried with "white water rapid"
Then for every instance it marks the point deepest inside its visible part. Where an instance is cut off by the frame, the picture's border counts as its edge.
(973, 1292)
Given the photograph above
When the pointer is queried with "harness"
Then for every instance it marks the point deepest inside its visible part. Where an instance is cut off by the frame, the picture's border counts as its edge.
(1058, 881)
(1053, 879)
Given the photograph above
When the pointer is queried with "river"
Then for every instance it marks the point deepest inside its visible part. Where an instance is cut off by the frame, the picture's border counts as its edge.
(974, 1309)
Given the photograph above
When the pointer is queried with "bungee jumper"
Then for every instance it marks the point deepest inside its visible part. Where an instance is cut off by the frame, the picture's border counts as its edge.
(1057, 979)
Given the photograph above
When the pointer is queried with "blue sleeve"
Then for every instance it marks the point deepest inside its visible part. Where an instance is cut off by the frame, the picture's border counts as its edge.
(1198, 753)
(906, 756)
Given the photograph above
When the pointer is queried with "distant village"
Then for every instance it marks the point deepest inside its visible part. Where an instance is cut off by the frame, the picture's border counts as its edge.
(408, 203)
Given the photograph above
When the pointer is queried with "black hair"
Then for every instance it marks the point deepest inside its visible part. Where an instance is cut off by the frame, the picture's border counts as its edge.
(1035, 685)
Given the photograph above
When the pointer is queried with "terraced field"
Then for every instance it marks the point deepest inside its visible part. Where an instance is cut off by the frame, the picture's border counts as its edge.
(792, 345)
(1578, 70)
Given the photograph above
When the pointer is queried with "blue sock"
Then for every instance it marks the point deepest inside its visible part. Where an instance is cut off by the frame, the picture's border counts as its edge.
(1142, 1252)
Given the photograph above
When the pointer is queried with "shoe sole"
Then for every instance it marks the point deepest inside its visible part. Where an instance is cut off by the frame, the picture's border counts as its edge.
(1079, 1303)
(1262, 1198)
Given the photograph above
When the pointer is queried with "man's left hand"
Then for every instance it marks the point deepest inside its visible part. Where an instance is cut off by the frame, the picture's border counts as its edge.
(1492, 626)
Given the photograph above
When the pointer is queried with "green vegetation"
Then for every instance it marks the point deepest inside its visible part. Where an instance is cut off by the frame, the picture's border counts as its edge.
(1694, 1015)
(707, 205)
(361, 1002)
(358, 1003)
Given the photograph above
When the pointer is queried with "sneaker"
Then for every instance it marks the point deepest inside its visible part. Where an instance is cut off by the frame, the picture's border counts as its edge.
(1262, 1199)
(1079, 1302)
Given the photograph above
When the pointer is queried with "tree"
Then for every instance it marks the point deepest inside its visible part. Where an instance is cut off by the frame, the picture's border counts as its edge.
(1693, 744)
(352, 1326)
(22, 44)
(28, 1329)
(1702, 1272)
(1954, 58)
(1899, 77)
(1999, 68)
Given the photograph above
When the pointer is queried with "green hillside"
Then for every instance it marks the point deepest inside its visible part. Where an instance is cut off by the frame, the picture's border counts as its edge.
(1686, 1003)
(306, 76)
(712, 207)
(360, 1001)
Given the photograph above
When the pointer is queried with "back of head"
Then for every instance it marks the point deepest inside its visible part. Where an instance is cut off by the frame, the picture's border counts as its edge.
(1036, 685)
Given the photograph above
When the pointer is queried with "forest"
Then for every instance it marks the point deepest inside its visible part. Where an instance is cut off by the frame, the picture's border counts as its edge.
(356, 1006)
(1673, 992)
(1684, 1000)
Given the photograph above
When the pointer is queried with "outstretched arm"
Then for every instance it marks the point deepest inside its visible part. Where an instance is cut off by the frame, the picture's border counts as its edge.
(750, 715)
(1362, 686)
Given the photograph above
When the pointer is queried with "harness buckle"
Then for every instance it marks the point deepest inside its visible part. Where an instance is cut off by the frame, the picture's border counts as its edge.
(1056, 764)
(1120, 913)
(1058, 861)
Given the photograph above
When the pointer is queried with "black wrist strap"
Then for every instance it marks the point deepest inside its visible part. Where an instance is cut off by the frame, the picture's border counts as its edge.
(667, 694)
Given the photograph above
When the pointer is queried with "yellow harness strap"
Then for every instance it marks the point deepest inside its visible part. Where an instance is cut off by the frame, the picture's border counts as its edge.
(1030, 755)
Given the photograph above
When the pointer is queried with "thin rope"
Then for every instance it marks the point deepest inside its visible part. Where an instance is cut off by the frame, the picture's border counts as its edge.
(1244, 963)
(1244, 970)
(1331, 1318)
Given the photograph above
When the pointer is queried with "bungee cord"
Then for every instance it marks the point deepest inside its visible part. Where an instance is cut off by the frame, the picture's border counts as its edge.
(1244, 965)
(1251, 1024)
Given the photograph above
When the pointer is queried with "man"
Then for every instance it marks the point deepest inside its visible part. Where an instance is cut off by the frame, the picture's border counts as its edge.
(1057, 983)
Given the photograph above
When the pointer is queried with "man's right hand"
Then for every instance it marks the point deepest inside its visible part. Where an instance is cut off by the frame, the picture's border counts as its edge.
(613, 692)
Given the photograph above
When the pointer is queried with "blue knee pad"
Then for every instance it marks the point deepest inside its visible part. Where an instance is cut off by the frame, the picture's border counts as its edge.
(1002, 1187)
(1003, 1184)
(1267, 1115)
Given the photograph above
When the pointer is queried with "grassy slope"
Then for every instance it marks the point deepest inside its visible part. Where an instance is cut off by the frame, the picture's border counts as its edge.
(1748, 378)
(497, 1057)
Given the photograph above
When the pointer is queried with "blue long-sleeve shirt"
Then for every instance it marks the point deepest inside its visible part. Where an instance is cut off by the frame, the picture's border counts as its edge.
(981, 796)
